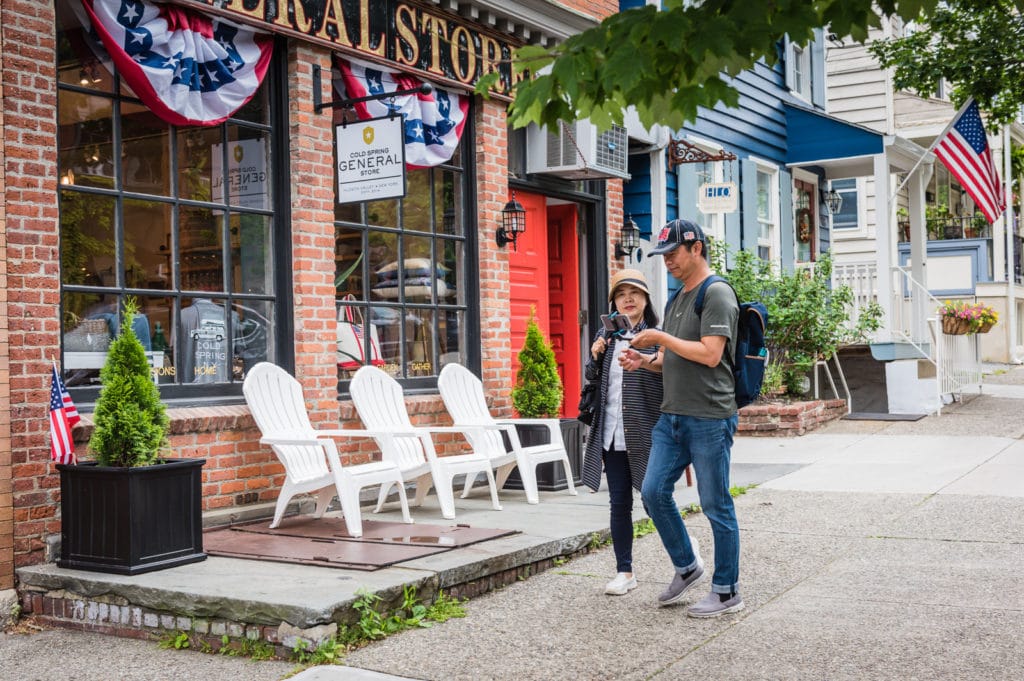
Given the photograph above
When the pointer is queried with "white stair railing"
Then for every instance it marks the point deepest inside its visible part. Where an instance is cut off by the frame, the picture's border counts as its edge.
(957, 359)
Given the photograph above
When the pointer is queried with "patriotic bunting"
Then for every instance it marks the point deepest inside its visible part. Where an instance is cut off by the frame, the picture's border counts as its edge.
(433, 123)
(188, 68)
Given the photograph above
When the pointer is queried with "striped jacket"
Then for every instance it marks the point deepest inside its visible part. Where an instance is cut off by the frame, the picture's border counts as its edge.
(641, 408)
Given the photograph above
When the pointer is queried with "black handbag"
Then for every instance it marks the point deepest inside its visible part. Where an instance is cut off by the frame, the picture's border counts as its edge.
(589, 397)
(589, 400)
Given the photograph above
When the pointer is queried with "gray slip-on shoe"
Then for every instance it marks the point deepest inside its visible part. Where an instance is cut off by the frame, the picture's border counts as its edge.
(679, 585)
(713, 606)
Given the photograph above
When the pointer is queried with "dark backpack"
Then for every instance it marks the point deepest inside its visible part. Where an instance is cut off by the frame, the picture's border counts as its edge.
(751, 356)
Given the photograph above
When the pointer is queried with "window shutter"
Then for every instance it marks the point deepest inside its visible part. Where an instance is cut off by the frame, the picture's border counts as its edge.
(748, 204)
(787, 63)
(818, 68)
(788, 243)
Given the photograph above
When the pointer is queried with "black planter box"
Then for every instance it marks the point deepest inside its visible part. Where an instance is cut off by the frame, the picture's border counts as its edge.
(131, 520)
(551, 476)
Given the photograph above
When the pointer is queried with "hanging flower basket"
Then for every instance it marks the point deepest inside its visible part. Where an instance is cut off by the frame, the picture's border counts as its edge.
(960, 317)
(955, 326)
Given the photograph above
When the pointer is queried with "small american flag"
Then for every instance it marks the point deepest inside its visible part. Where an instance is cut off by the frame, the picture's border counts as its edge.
(63, 415)
(964, 149)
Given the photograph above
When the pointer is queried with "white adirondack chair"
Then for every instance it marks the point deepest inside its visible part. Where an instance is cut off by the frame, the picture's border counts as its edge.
(463, 396)
(381, 405)
(309, 456)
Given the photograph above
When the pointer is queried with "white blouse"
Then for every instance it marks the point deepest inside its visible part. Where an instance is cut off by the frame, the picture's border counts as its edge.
(614, 437)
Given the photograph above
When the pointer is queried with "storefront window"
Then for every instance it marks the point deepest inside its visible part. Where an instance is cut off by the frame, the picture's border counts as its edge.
(180, 218)
(401, 274)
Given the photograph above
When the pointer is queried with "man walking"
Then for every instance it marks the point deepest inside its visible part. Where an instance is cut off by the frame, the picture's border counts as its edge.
(698, 419)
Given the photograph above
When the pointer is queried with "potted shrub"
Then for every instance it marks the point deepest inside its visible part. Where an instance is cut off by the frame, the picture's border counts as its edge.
(132, 510)
(538, 393)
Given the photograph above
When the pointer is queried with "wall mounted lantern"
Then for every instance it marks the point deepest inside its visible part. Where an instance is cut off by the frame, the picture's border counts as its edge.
(833, 200)
(513, 223)
(630, 239)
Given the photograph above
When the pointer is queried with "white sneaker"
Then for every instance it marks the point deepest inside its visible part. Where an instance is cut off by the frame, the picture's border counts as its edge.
(621, 585)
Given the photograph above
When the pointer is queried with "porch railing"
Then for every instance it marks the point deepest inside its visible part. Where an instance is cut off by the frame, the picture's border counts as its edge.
(912, 320)
(950, 227)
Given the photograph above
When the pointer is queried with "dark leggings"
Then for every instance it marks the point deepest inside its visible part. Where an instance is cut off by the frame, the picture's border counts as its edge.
(620, 496)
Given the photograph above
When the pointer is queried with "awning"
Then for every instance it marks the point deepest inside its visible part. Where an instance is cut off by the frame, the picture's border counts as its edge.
(817, 139)
(844, 149)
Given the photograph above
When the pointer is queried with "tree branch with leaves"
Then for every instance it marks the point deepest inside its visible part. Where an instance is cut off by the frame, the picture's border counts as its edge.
(666, 63)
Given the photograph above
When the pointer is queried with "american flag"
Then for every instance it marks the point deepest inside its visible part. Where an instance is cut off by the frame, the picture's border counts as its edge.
(188, 68)
(433, 123)
(63, 415)
(964, 149)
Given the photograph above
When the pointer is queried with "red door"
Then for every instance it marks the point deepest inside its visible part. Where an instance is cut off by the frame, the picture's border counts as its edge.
(544, 274)
(563, 292)
(528, 274)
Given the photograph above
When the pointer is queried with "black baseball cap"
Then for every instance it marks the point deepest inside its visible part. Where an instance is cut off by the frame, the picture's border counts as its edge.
(676, 233)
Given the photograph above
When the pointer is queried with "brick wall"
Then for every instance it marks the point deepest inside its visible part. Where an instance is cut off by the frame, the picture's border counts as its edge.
(784, 419)
(33, 264)
(492, 194)
(312, 194)
(6, 499)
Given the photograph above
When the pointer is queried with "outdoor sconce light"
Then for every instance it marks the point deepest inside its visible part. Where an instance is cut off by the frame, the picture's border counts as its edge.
(833, 200)
(513, 223)
(629, 240)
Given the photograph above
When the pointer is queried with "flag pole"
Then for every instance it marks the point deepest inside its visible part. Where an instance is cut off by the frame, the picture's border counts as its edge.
(1008, 230)
(952, 122)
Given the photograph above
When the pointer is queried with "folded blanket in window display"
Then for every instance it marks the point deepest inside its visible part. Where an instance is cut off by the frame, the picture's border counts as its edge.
(415, 286)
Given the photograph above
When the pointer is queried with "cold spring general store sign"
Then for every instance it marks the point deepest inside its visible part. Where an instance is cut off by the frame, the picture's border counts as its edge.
(404, 33)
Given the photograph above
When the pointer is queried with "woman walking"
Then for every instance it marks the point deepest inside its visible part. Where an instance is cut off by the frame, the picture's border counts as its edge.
(629, 402)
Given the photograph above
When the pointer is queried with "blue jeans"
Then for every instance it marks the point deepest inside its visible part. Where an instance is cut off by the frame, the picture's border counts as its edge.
(678, 441)
(620, 496)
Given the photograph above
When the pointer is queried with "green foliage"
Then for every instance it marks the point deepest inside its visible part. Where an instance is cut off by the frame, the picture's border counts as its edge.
(178, 640)
(329, 651)
(668, 63)
(738, 491)
(445, 608)
(374, 625)
(808, 319)
(131, 422)
(974, 45)
(538, 389)
(643, 527)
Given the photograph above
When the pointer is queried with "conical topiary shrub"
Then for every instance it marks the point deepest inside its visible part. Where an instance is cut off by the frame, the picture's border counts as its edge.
(538, 389)
(131, 422)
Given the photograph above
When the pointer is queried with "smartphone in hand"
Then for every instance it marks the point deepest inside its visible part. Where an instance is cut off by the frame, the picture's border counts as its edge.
(609, 323)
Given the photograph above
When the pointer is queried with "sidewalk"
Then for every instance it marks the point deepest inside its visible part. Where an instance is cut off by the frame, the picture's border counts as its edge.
(870, 550)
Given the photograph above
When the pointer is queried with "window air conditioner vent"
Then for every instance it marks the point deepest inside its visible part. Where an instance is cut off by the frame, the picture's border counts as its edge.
(578, 152)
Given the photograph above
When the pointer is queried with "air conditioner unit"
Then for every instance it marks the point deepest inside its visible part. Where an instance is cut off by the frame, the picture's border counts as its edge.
(578, 152)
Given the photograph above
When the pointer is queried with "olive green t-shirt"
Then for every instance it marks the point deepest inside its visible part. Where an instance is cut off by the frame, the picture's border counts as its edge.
(693, 389)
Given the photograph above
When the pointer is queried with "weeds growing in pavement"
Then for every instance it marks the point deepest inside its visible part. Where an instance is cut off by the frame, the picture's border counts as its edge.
(178, 640)
(643, 527)
(738, 491)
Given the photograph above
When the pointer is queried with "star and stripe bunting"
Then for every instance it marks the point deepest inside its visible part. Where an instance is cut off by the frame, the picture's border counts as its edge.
(433, 123)
(188, 68)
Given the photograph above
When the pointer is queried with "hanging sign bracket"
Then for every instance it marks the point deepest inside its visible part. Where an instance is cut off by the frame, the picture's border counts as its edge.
(680, 151)
(319, 104)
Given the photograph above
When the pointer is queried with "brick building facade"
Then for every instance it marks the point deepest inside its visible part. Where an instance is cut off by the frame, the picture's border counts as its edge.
(239, 472)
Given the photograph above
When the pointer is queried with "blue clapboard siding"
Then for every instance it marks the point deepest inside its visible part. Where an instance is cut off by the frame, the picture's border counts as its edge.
(757, 127)
(636, 196)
